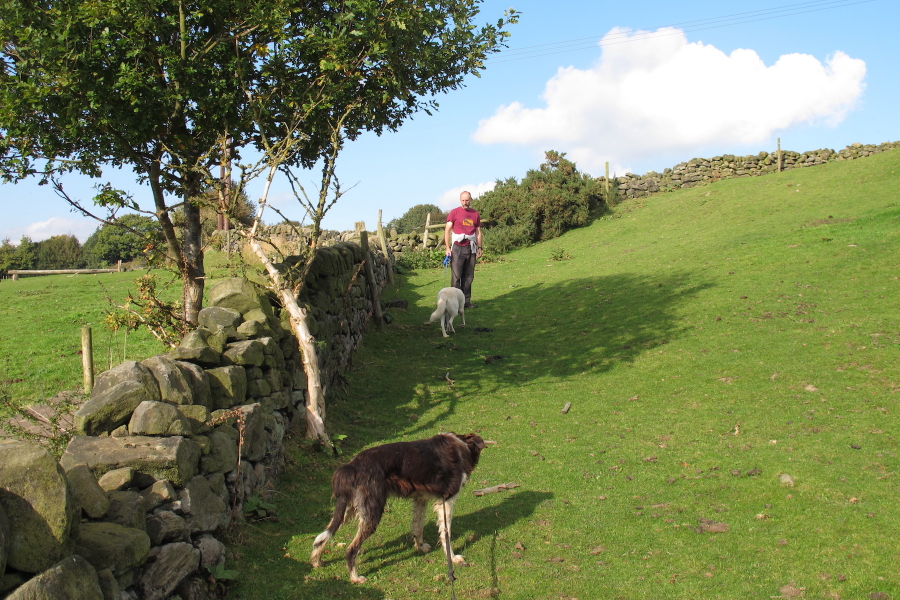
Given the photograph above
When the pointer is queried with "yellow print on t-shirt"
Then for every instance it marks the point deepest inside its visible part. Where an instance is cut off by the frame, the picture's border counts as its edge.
(468, 222)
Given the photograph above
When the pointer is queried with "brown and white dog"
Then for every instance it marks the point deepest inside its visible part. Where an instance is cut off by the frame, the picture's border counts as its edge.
(423, 470)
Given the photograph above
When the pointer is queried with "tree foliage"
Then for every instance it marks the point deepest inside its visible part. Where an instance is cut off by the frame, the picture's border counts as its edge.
(130, 237)
(59, 252)
(174, 88)
(414, 218)
(20, 256)
(545, 204)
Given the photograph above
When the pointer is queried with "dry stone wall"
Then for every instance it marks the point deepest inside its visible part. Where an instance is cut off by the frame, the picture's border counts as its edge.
(168, 450)
(699, 171)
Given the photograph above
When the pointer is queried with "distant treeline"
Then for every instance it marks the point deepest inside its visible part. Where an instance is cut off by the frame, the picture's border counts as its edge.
(137, 238)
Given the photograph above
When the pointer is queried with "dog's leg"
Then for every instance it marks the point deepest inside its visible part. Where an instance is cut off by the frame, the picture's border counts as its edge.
(462, 313)
(369, 508)
(450, 320)
(442, 508)
(418, 524)
(443, 325)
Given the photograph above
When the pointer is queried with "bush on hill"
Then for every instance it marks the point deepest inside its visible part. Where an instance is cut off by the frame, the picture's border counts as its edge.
(545, 204)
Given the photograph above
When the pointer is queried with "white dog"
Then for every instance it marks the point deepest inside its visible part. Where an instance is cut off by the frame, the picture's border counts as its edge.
(450, 302)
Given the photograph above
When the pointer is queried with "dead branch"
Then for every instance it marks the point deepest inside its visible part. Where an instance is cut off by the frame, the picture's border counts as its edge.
(495, 489)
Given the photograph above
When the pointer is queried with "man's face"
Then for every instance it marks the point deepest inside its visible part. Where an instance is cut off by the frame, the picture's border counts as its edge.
(465, 200)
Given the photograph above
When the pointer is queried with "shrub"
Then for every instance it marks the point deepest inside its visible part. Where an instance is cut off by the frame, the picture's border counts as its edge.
(421, 259)
(414, 218)
(548, 202)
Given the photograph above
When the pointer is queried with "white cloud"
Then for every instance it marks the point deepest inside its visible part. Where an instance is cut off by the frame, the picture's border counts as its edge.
(450, 198)
(660, 93)
(41, 230)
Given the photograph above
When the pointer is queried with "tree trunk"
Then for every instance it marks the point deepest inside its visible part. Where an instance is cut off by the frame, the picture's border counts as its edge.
(192, 272)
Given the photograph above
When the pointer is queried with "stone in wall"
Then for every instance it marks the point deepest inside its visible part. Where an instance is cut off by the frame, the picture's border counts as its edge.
(41, 509)
(172, 564)
(228, 386)
(114, 397)
(72, 578)
(173, 379)
(91, 497)
(174, 458)
(112, 546)
(158, 418)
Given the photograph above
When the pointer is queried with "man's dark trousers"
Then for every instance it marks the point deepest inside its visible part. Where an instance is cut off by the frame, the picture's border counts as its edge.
(462, 267)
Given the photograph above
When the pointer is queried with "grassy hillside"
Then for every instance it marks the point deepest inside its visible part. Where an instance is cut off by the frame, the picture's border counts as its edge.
(730, 353)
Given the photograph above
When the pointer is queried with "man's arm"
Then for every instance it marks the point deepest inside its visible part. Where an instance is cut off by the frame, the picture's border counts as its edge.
(478, 240)
(448, 236)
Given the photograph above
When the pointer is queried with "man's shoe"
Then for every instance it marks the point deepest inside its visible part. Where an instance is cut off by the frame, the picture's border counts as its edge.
(470, 305)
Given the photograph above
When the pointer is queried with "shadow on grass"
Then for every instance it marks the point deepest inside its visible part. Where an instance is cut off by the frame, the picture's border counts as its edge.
(543, 331)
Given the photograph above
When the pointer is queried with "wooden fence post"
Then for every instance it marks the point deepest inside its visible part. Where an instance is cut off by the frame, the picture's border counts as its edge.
(425, 235)
(779, 155)
(390, 269)
(607, 180)
(370, 276)
(87, 358)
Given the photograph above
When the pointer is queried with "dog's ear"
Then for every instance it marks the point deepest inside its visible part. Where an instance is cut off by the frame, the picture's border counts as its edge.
(472, 439)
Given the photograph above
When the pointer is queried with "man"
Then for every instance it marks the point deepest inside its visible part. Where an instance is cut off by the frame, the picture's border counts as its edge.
(462, 240)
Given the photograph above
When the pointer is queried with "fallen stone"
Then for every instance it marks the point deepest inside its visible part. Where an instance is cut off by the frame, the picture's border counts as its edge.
(126, 508)
(204, 510)
(165, 526)
(174, 381)
(158, 418)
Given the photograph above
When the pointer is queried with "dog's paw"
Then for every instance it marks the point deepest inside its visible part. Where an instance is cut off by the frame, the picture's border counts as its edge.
(423, 547)
(358, 579)
(458, 559)
(316, 563)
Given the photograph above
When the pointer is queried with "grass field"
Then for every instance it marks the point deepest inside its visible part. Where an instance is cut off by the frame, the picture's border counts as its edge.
(730, 352)
(717, 345)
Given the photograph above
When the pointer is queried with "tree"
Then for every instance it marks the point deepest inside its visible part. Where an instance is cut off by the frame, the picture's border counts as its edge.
(20, 256)
(414, 218)
(131, 236)
(59, 252)
(549, 201)
(174, 89)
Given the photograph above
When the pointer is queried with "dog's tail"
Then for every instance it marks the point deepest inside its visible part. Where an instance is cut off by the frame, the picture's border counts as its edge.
(438, 313)
(343, 484)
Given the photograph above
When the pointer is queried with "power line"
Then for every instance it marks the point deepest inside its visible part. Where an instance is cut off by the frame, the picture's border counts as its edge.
(589, 43)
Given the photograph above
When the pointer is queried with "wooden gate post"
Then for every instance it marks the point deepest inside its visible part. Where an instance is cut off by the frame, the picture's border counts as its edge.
(390, 268)
(87, 358)
(370, 276)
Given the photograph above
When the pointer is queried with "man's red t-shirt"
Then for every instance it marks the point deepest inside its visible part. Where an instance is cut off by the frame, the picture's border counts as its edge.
(465, 221)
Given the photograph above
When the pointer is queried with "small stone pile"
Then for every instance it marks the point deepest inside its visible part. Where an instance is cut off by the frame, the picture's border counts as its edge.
(168, 450)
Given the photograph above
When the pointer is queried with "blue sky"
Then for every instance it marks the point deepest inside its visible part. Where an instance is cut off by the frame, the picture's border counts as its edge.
(643, 85)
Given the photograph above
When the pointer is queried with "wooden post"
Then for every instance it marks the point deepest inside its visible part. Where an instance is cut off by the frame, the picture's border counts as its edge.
(119, 266)
(87, 358)
(390, 269)
(370, 276)
(779, 155)
(425, 234)
(15, 276)
(607, 180)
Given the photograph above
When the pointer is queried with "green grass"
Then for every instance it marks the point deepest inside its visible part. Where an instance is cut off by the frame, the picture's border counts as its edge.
(41, 320)
(709, 340)
(40, 332)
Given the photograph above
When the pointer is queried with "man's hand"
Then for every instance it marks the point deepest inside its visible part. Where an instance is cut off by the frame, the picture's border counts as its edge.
(478, 252)
(447, 253)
